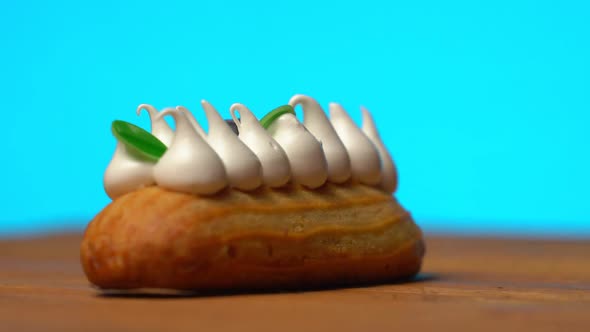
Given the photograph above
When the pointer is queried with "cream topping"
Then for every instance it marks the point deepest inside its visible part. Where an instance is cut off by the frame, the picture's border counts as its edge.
(364, 157)
(126, 173)
(190, 164)
(276, 171)
(243, 168)
(160, 128)
(388, 171)
(304, 151)
(308, 153)
(196, 126)
(316, 121)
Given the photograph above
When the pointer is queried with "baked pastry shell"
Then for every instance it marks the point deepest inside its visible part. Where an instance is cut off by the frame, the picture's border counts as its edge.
(266, 239)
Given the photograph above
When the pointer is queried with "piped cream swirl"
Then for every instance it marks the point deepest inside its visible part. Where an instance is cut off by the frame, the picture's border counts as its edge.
(243, 168)
(276, 171)
(160, 128)
(190, 164)
(306, 158)
(388, 171)
(318, 124)
(364, 157)
(126, 173)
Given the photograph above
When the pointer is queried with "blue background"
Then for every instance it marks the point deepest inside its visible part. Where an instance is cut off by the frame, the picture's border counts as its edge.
(485, 107)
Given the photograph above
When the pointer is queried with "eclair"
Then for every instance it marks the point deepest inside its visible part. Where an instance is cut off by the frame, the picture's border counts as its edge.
(267, 204)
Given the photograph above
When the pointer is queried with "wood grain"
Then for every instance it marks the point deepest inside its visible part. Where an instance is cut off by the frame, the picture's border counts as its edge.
(467, 284)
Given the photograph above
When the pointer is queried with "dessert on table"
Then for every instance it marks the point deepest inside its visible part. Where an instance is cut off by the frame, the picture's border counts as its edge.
(273, 203)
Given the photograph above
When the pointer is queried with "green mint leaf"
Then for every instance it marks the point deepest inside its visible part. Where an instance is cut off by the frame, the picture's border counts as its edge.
(139, 142)
(275, 114)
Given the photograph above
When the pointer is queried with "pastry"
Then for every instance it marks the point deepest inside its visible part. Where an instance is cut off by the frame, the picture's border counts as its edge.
(281, 204)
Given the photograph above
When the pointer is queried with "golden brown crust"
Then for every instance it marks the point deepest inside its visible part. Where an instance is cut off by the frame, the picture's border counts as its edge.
(292, 237)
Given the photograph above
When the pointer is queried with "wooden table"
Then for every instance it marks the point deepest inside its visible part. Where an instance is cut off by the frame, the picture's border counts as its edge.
(466, 285)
